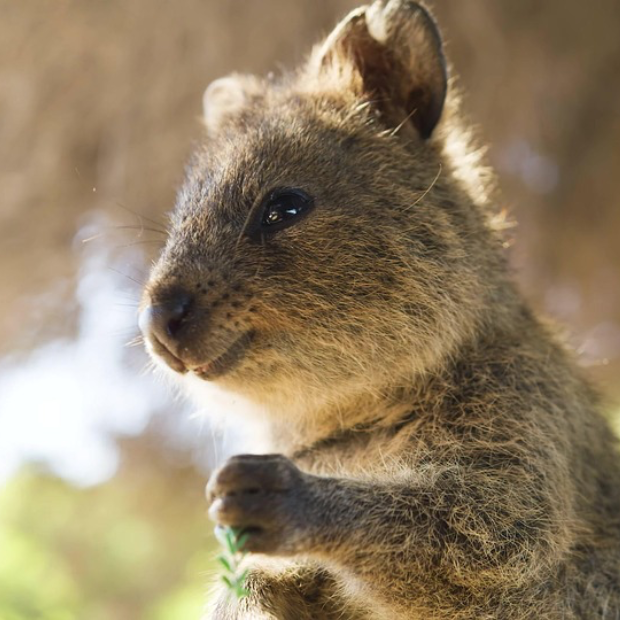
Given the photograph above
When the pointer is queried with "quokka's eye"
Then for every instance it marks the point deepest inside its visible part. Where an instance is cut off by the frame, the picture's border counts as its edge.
(284, 207)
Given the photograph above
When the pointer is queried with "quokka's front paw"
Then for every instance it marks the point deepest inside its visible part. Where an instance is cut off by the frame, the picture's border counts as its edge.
(265, 496)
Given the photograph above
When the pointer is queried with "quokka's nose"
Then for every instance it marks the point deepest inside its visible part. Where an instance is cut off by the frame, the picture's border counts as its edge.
(162, 323)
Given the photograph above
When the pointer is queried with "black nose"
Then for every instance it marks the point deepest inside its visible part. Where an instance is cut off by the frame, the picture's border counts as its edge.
(162, 324)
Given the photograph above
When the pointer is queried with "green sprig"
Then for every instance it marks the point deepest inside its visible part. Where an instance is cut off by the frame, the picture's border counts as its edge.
(233, 542)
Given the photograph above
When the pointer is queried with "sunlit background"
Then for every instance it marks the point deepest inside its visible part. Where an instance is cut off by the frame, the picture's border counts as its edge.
(102, 468)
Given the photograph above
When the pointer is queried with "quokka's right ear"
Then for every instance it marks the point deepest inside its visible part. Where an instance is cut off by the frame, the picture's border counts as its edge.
(226, 98)
(390, 52)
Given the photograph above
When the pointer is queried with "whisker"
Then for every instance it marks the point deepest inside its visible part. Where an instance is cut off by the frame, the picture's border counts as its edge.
(123, 246)
(120, 273)
(138, 215)
(123, 304)
(245, 223)
(93, 238)
(135, 342)
(109, 229)
(127, 295)
(149, 367)
(139, 227)
(393, 132)
(428, 189)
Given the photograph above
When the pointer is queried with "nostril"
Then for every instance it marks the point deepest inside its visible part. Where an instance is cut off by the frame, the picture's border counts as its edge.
(164, 318)
(176, 313)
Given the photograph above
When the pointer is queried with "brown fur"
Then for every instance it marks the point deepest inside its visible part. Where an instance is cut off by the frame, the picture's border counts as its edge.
(444, 457)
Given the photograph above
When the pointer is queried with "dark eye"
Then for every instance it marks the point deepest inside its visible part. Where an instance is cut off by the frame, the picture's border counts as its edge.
(284, 207)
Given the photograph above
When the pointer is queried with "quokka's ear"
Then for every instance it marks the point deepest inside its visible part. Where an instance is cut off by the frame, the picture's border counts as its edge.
(226, 98)
(392, 51)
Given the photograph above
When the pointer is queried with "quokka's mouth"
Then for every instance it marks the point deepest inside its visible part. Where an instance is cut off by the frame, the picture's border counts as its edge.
(225, 362)
(167, 356)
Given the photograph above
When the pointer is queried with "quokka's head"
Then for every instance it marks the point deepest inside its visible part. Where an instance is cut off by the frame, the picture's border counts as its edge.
(324, 242)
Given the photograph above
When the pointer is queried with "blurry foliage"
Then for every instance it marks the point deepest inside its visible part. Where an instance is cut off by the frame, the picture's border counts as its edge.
(138, 547)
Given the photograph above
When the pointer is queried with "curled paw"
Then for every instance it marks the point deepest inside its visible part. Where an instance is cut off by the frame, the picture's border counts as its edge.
(264, 496)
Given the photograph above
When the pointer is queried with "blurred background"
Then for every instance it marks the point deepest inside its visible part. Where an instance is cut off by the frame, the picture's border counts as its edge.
(102, 469)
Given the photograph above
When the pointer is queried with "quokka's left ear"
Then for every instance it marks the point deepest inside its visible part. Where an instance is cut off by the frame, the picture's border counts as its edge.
(226, 98)
(390, 51)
